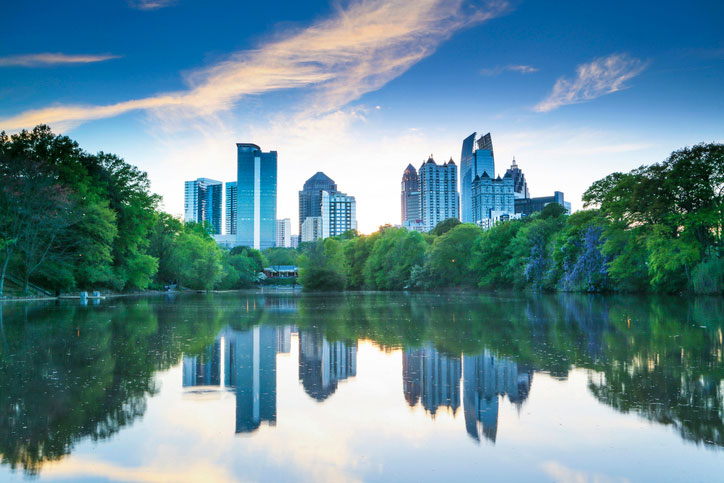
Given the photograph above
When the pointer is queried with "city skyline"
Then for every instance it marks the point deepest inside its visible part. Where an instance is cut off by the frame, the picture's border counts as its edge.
(338, 88)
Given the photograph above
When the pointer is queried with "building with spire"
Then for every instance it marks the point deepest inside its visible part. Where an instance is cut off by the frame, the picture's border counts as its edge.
(439, 199)
(520, 187)
(410, 196)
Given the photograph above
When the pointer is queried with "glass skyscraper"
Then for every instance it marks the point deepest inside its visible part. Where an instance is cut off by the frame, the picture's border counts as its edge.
(476, 158)
(202, 203)
(310, 198)
(256, 206)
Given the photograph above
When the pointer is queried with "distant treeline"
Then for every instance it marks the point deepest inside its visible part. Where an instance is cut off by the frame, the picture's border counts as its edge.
(72, 220)
(655, 229)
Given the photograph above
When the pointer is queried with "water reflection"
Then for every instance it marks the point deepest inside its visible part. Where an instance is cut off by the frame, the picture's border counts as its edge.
(70, 373)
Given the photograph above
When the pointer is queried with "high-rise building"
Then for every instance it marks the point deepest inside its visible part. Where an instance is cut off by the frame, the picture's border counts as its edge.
(493, 199)
(310, 198)
(311, 229)
(439, 198)
(256, 196)
(231, 208)
(410, 195)
(476, 158)
(202, 203)
(295, 240)
(339, 213)
(284, 236)
(520, 187)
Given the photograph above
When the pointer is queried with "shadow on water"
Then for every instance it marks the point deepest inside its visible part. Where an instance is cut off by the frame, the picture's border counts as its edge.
(70, 373)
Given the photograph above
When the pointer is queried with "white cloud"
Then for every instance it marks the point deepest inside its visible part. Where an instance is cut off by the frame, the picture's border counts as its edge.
(602, 76)
(37, 60)
(151, 4)
(356, 51)
(522, 69)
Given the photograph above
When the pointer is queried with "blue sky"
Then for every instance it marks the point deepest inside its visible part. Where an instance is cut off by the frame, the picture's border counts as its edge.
(574, 90)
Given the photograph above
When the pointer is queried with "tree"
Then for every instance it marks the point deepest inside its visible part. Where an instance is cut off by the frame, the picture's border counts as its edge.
(444, 226)
(450, 260)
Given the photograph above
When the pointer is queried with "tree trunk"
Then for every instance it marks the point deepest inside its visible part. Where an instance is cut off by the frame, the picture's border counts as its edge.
(2, 274)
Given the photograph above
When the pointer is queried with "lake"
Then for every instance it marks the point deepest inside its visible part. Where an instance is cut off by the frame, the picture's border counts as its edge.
(363, 386)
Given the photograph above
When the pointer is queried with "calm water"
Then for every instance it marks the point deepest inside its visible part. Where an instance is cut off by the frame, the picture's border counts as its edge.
(363, 387)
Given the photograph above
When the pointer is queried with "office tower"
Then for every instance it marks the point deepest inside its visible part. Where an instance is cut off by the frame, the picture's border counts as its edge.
(256, 210)
(486, 379)
(431, 378)
(231, 208)
(339, 213)
(284, 236)
(410, 195)
(520, 187)
(295, 240)
(528, 206)
(250, 368)
(493, 199)
(439, 198)
(476, 158)
(312, 229)
(202, 203)
(310, 198)
(322, 364)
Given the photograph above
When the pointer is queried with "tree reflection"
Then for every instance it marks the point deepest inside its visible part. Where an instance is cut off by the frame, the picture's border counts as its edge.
(69, 373)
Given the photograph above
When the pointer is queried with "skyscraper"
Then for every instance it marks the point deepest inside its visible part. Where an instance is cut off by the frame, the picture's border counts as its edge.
(231, 208)
(476, 158)
(310, 198)
(339, 213)
(520, 186)
(256, 196)
(284, 236)
(492, 199)
(439, 198)
(431, 378)
(410, 195)
(322, 364)
(202, 203)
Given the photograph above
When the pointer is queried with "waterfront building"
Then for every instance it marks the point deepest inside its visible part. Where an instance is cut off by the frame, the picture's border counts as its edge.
(410, 195)
(492, 198)
(284, 236)
(202, 203)
(231, 208)
(339, 213)
(414, 225)
(476, 158)
(256, 196)
(312, 229)
(310, 198)
(323, 364)
(528, 206)
(439, 198)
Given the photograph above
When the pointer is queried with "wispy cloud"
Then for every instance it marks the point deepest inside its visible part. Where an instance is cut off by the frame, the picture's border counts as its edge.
(522, 69)
(150, 4)
(602, 76)
(358, 50)
(45, 59)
